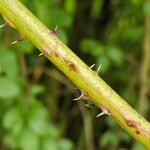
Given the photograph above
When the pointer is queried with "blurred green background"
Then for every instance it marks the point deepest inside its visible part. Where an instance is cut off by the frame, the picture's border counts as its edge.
(36, 107)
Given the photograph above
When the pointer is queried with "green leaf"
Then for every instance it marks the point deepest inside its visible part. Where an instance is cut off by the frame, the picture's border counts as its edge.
(63, 36)
(8, 88)
(8, 62)
(28, 140)
(92, 46)
(125, 136)
(107, 139)
(96, 8)
(52, 131)
(60, 17)
(10, 140)
(65, 144)
(115, 55)
(36, 89)
(50, 144)
(24, 46)
(37, 120)
(43, 10)
(69, 6)
(146, 7)
(111, 122)
(133, 34)
(136, 2)
(12, 120)
(104, 61)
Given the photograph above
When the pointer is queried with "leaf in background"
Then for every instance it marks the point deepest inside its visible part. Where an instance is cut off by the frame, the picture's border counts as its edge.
(43, 10)
(130, 96)
(10, 140)
(136, 2)
(8, 88)
(133, 34)
(62, 36)
(36, 89)
(24, 46)
(96, 8)
(111, 122)
(146, 7)
(115, 55)
(65, 144)
(50, 144)
(69, 6)
(108, 138)
(37, 120)
(125, 136)
(60, 17)
(92, 46)
(104, 61)
(39, 124)
(8, 62)
(52, 131)
(12, 119)
(28, 140)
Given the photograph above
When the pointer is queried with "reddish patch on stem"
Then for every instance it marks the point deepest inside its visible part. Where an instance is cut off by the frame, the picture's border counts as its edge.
(136, 125)
(46, 51)
(72, 66)
(131, 123)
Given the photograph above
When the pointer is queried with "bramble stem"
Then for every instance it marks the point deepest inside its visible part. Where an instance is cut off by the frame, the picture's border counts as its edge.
(75, 69)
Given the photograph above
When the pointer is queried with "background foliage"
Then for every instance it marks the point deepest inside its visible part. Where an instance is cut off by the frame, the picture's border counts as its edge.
(36, 108)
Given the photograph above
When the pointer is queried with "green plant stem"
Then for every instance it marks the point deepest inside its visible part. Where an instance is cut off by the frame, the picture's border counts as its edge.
(76, 70)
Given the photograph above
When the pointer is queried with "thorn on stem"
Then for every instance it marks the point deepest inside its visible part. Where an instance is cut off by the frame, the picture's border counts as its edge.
(14, 42)
(80, 97)
(2, 26)
(6, 24)
(99, 68)
(56, 28)
(41, 54)
(54, 32)
(101, 114)
(92, 66)
(104, 112)
(45, 51)
(19, 40)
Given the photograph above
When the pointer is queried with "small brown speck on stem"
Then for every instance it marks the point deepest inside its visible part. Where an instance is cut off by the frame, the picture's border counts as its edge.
(56, 54)
(131, 123)
(137, 132)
